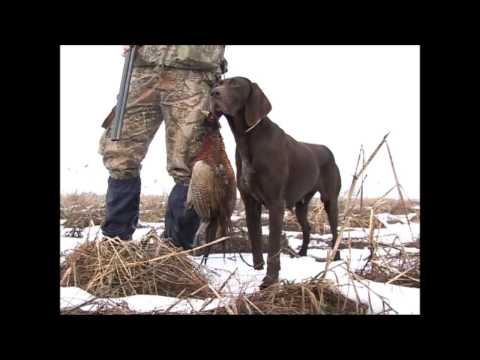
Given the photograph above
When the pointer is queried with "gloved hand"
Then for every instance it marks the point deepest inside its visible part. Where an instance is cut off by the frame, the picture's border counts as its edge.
(125, 49)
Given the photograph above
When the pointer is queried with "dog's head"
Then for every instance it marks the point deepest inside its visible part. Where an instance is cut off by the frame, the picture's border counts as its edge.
(234, 95)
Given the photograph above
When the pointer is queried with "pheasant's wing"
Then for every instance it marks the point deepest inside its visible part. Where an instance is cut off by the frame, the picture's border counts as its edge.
(201, 192)
(231, 186)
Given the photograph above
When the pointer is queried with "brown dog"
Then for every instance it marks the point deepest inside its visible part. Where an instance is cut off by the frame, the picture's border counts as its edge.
(274, 170)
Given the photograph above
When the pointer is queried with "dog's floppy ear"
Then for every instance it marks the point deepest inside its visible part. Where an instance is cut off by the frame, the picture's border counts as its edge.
(257, 105)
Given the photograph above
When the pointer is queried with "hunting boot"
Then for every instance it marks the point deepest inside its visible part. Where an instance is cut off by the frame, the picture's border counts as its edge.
(181, 224)
(122, 207)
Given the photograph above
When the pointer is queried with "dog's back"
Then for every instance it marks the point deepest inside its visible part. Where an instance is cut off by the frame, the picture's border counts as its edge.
(323, 154)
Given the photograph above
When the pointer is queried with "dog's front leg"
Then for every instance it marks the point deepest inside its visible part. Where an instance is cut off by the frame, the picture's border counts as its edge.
(276, 212)
(253, 210)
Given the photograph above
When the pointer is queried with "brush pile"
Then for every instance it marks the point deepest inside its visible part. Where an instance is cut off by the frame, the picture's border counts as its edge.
(397, 266)
(312, 296)
(112, 268)
(407, 275)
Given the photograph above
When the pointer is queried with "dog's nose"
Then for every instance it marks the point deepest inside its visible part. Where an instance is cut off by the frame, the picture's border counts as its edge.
(215, 93)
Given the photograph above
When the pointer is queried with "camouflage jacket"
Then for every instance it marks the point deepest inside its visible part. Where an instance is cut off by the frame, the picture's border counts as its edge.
(194, 57)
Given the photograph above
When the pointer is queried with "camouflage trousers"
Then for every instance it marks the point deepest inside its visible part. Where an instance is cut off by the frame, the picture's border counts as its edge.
(178, 97)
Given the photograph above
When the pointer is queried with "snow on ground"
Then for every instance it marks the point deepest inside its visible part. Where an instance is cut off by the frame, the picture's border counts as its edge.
(379, 297)
(74, 296)
(402, 300)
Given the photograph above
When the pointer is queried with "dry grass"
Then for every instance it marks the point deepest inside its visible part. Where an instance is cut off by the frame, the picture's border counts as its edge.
(309, 297)
(397, 266)
(385, 274)
(82, 200)
(359, 216)
(83, 209)
(80, 210)
(153, 208)
(101, 309)
(401, 268)
(110, 268)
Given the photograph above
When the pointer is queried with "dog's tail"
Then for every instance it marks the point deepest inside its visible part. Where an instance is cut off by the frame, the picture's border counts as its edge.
(339, 182)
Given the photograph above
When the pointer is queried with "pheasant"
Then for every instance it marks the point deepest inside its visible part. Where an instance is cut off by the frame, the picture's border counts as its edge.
(212, 192)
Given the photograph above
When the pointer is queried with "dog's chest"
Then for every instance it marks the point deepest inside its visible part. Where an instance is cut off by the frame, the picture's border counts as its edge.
(246, 181)
(246, 174)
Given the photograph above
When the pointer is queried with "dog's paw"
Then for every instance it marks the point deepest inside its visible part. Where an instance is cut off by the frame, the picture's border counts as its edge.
(268, 281)
(258, 266)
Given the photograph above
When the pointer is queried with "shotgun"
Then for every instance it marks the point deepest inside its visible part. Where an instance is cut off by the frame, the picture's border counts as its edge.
(123, 95)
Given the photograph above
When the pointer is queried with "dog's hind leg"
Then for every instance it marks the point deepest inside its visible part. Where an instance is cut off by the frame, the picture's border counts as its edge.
(329, 191)
(301, 211)
(331, 207)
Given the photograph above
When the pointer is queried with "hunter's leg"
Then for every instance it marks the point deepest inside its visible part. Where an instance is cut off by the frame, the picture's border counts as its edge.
(184, 102)
(123, 158)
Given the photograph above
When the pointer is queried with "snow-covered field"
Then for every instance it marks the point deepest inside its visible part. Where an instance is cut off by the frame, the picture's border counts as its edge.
(380, 297)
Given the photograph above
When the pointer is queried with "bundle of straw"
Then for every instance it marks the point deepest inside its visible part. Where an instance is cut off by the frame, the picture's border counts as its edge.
(312, 296)
(111, 268)
(407, 274)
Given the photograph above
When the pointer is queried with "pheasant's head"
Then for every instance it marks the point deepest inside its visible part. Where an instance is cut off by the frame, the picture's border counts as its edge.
(211, 121)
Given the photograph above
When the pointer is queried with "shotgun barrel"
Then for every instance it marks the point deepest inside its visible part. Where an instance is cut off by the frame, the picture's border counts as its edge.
(123, 95)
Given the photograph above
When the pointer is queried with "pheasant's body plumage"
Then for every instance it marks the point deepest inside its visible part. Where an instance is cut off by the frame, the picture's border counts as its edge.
(212, 190)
